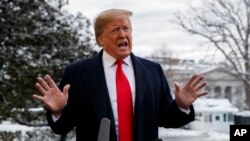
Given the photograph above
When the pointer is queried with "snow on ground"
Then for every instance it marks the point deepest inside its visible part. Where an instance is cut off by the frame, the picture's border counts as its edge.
(179, 132)
(166, 134)
(215, 136)
(12, 127)
(191, 135)
(214, 105)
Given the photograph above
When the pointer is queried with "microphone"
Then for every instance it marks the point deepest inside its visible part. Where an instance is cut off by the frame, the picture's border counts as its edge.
(104, 130)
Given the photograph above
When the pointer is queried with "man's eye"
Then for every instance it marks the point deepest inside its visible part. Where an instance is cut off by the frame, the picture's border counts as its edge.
(126, 29)
(115, 30)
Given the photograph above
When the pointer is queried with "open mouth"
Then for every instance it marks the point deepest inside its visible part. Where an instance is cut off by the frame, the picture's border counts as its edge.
(123, 44)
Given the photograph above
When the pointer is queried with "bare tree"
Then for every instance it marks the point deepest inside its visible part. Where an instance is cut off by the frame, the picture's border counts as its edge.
(224, 24)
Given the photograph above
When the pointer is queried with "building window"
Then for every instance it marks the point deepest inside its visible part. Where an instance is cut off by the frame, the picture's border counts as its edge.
(198, 114)
(210, 117)
(225, 117)
(230, 117)
(217, 91)
(228, 93)
(206, 118)
(207, 88)
(217, 118)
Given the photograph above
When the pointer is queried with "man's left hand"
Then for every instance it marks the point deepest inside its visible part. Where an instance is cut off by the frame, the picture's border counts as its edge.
(191, 90)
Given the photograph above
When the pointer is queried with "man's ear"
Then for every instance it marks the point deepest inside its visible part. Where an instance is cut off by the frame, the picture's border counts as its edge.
(99, 41)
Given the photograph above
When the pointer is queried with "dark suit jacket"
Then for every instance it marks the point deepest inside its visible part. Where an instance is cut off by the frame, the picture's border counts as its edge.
(89, 101)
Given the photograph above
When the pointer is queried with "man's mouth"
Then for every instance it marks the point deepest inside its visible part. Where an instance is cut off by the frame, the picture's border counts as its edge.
(123, 44)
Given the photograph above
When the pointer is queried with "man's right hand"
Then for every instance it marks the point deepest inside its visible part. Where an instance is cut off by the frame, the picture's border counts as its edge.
(53, 98)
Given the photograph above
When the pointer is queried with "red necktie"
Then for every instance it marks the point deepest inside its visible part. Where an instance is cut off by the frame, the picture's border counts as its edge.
(124, 104)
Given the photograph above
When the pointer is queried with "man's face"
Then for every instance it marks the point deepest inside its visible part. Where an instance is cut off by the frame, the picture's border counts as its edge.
(116, 38)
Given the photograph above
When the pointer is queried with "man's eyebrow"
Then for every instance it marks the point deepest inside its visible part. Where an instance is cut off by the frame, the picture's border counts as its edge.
(114, 25)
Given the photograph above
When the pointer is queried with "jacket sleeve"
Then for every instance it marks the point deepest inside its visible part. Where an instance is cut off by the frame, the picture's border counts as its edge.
(66, 122)
(170, 116)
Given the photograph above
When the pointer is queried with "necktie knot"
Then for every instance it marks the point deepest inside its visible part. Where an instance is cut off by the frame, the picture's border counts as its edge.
(119, 62)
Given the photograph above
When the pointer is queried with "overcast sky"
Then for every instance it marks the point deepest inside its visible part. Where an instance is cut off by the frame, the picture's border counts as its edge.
(151, 26)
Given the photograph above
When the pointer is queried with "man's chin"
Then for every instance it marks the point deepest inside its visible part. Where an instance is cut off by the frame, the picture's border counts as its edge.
(124, 54)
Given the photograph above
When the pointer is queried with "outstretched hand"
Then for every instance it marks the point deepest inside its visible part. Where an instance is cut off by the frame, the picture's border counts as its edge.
(191, 90)
(53, 98)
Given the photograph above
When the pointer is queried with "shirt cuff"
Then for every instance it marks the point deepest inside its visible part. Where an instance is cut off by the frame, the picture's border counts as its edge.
(54, 118)
(185, 111)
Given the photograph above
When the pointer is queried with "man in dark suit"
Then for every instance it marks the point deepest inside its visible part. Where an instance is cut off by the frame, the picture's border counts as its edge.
(89, 91)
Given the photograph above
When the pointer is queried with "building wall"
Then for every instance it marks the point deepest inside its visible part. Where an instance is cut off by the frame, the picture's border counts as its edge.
(213, 121)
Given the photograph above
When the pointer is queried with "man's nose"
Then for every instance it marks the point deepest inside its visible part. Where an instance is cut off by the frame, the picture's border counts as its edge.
(122, 33)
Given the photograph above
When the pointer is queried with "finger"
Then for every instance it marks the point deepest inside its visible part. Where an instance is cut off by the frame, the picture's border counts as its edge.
(50, 81)
(177, 87)
(190, 80)
(202, 85)
(41, 89)
(37, 97)
(202, 94)
(197, 80)
(66, 89)
(43, 83)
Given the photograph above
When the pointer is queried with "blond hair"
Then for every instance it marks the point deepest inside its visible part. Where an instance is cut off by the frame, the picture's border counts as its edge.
(106, 16)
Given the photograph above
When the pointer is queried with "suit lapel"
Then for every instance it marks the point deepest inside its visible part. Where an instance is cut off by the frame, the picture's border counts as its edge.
(140, 82)
(97, 90)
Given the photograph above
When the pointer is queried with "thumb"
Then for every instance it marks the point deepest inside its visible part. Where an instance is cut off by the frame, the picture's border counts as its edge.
(177, 88)
(66, 89)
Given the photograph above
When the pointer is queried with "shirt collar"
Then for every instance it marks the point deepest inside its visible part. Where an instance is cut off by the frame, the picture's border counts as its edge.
(110, 61)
